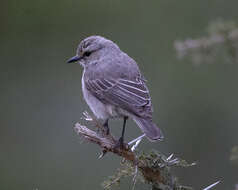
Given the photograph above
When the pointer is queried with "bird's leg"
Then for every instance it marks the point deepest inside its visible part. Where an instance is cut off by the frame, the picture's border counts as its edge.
(123, 129)
(106, 127)
(121, 139)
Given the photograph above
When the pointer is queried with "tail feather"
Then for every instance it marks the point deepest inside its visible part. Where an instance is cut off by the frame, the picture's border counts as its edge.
(150, 129)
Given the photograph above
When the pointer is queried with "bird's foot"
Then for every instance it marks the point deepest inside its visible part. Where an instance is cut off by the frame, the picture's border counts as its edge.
(119, 144)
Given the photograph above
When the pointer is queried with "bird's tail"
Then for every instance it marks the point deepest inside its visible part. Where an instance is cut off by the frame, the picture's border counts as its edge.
(150, 129)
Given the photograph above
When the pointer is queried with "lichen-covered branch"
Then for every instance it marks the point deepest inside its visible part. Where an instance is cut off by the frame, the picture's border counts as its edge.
(221, 43)
(154, 168)
(106, 142)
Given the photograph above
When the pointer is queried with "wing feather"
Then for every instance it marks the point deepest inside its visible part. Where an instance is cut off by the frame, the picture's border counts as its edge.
(133, 96)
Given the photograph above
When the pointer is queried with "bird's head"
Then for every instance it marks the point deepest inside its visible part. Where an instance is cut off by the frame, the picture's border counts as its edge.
(90, 49)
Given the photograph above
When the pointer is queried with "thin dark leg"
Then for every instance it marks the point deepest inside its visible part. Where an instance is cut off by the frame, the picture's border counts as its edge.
(106, 127)
(121, 139)
(124, 127)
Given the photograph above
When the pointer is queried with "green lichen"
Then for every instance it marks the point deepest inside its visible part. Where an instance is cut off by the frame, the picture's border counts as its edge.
(155, 161)
(219, 44)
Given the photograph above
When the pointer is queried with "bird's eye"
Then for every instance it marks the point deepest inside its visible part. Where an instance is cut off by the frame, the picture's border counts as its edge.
(87, 53)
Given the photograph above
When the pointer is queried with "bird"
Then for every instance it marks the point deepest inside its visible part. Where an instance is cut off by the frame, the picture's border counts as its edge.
(113, 86)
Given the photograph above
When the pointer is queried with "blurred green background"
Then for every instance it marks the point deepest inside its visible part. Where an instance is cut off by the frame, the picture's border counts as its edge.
(195, 106)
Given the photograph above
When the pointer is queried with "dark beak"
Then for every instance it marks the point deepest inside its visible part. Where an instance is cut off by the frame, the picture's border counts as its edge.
(74, 59)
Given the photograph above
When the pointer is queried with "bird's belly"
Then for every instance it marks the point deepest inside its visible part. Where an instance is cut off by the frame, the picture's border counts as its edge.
(97, 107)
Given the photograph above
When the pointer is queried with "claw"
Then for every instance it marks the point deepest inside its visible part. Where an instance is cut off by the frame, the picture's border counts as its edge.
(119, 143)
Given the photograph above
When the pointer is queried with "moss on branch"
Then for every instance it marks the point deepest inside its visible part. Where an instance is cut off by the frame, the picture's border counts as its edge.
(152, 168)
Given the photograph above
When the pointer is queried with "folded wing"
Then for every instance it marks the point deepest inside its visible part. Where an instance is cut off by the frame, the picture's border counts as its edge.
(132, 96)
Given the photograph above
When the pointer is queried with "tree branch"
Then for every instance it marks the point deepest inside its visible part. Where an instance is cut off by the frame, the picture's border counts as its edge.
(108, 144)
(153, 167)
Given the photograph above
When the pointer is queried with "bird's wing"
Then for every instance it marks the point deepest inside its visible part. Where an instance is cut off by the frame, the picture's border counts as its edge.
(132, 96)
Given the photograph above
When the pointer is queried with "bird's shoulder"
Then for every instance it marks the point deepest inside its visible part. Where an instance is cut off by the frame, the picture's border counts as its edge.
(119, 66)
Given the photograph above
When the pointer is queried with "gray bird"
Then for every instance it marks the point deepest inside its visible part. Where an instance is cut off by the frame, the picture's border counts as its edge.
(113, 85)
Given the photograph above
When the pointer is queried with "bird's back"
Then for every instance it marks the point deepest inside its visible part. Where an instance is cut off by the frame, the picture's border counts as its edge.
(124, 84)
